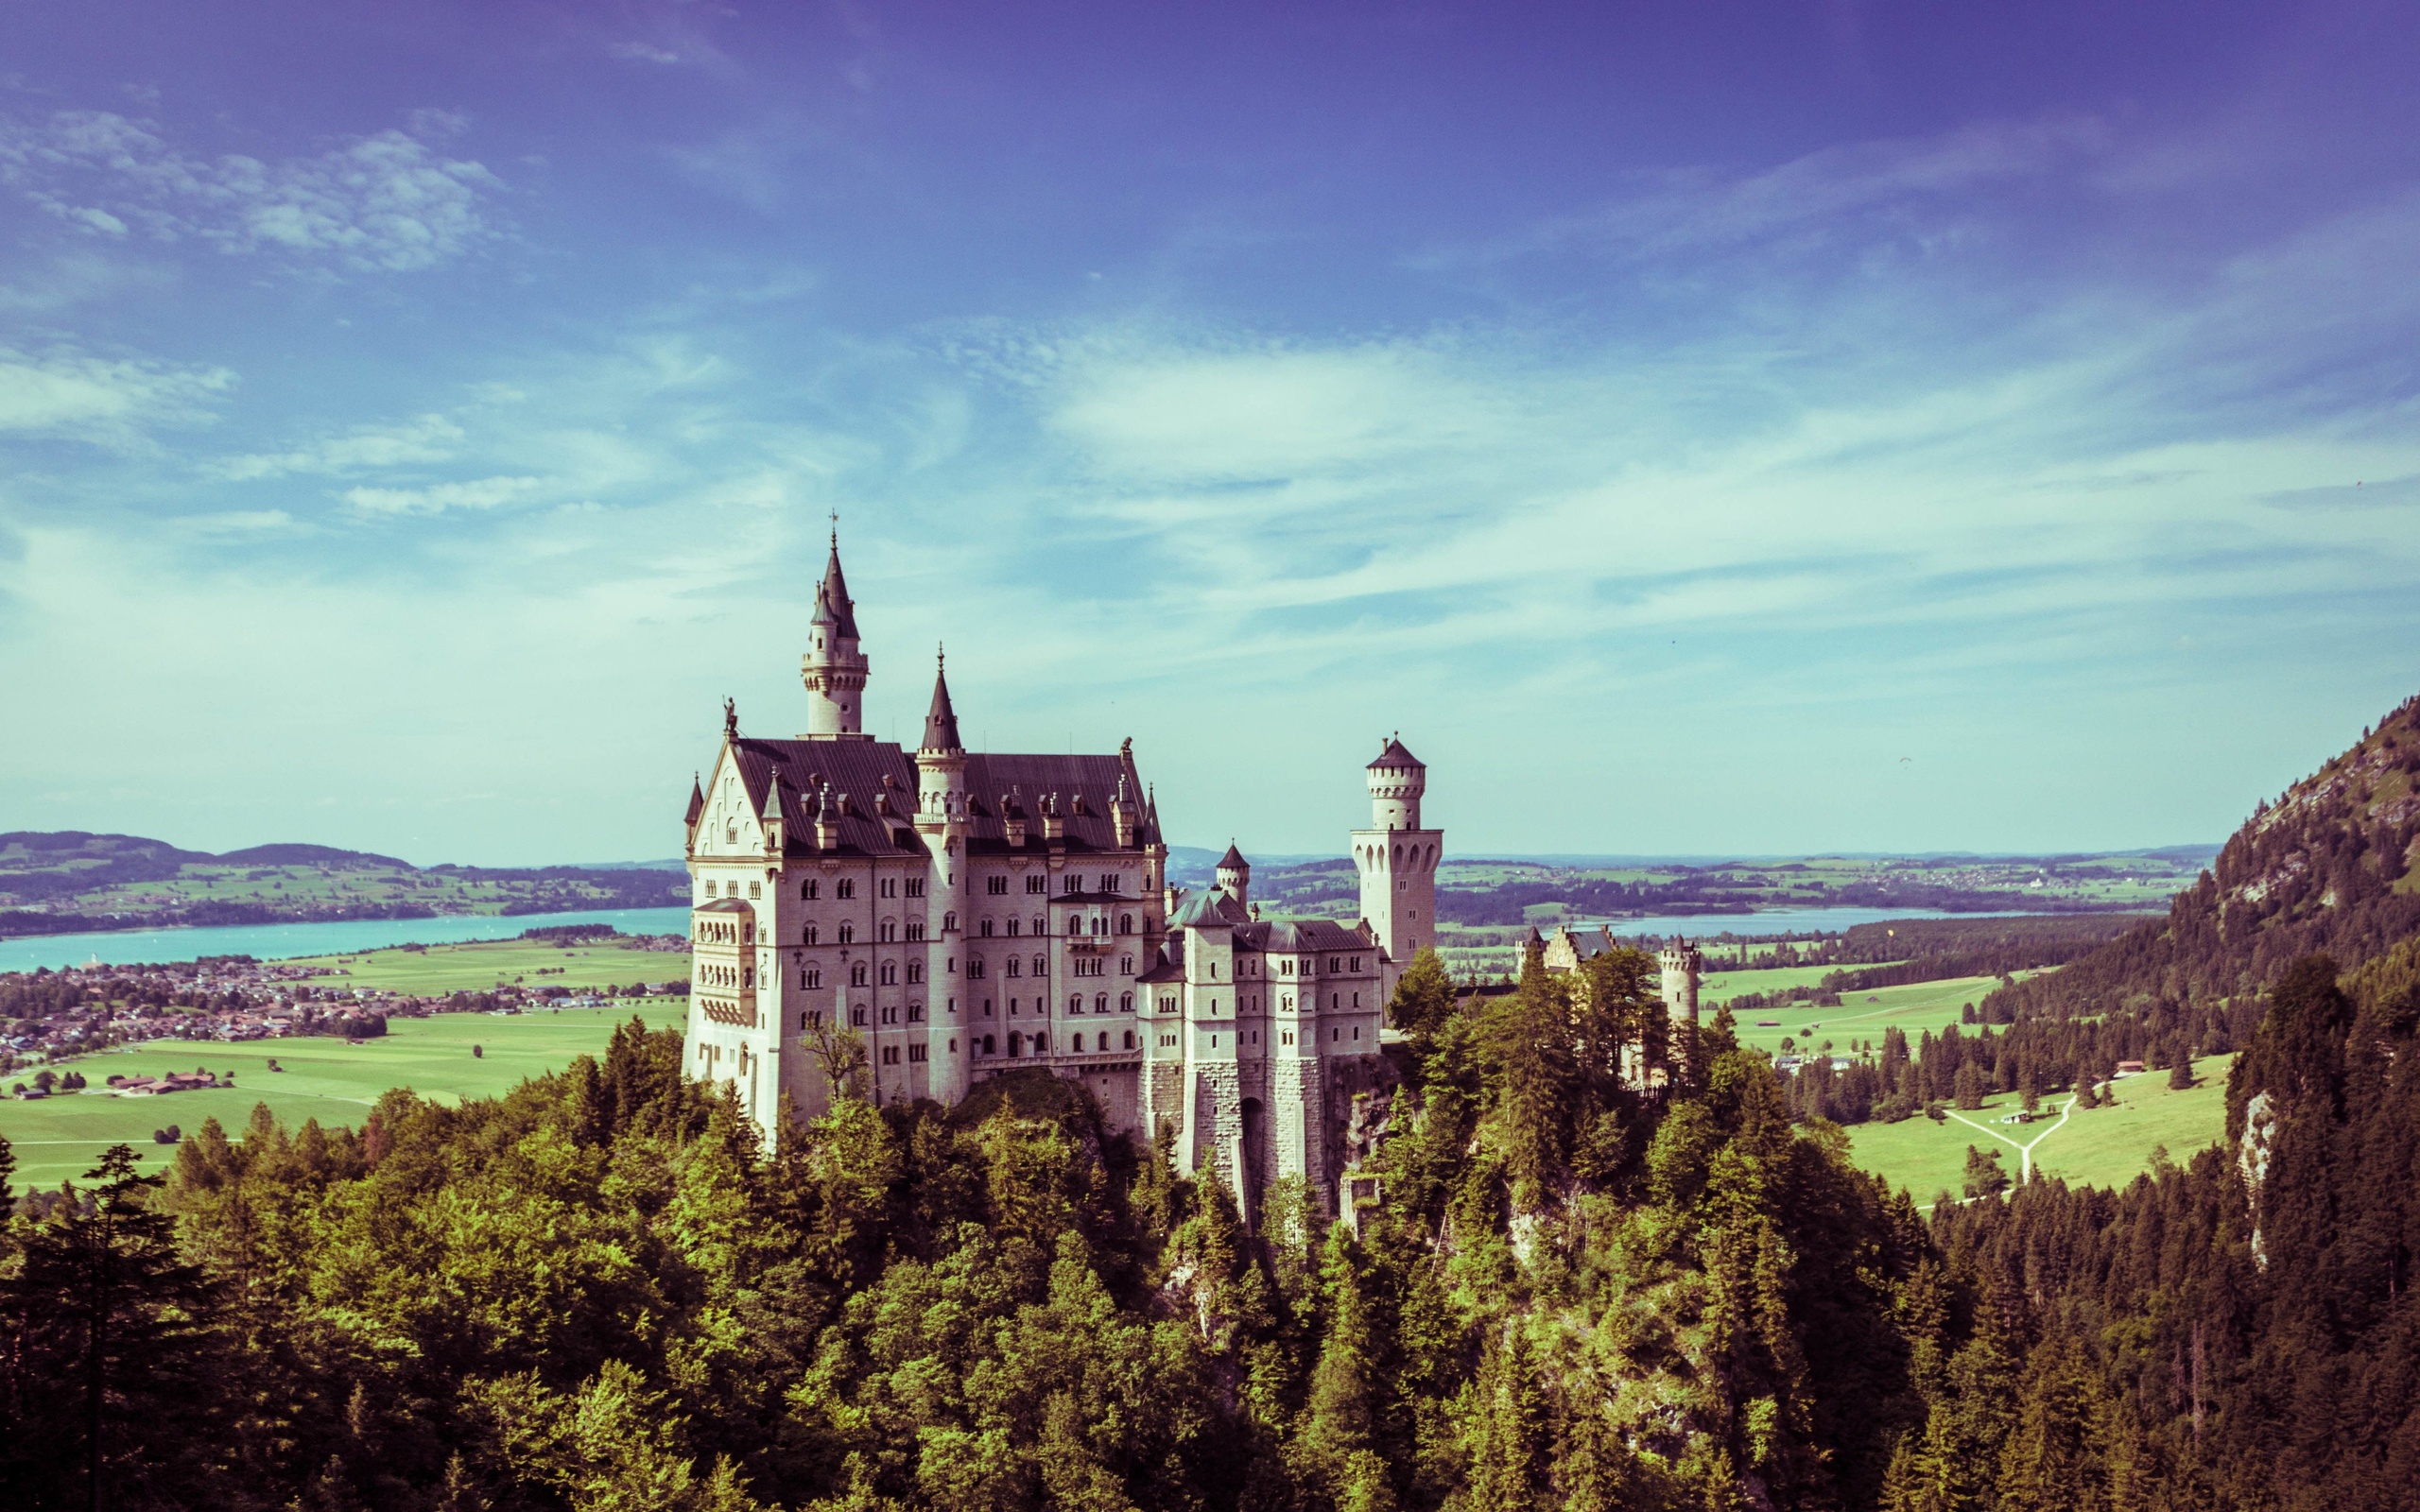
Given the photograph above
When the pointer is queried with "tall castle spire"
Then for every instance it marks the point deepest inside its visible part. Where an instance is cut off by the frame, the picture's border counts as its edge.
(940, 721)
(834, 669)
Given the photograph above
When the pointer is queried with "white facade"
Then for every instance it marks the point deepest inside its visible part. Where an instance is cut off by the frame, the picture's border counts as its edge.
(967, 914)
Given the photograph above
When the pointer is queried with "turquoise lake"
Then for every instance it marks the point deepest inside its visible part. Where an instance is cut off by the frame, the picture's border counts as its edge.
(269, 942)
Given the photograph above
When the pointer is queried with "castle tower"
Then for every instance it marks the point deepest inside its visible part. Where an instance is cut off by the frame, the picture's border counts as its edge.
(942, 820)
(1398, 860)
(834, 669)
(1682, 964)
(1235, 875)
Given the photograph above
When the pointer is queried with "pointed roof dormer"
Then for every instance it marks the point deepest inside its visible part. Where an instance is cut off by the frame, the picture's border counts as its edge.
(697, 800)
(940, 721)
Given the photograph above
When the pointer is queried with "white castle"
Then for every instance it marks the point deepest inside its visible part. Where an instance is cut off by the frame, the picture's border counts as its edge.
(969, 914)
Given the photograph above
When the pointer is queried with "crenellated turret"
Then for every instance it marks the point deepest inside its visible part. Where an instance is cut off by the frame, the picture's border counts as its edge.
(1235, 875)
(1682, 965)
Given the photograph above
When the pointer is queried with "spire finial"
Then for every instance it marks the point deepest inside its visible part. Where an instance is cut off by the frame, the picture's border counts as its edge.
(941, 655)
(836, 530)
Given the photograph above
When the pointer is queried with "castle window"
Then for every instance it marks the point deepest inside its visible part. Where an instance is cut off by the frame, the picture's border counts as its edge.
(755, 890)
(915, 971)
(809, 1020)
(890, 1054)
(1016, 965)
(1041, 1044)
(1073, 882)
(1076, 1003)
(1078, 1044)
(915, 887)
(973, 966)
(1126, 966)
(991, 1045)
(1014, 925)
(888, 930)
(811, 977)
(858, 1017)
(890, 887)
(1286, 1039)
(1126, 923)
(1129, 1038)
(845, 887)
(995, 885)
(808, 935)
(731, 834)
(915, 929)
(1037, 882)
(915, 1013)
(949, 923)
(1013, 1007)
(848, 933)
(1285, 967)
(916, 1053)
(857, 974)
(891, 973)
(891, 1015)
(984, 929)
(1126, 1003)
(1016, 1043)
(1100, 1003)
(987, 1008)
(806, 889)
(1041, 966)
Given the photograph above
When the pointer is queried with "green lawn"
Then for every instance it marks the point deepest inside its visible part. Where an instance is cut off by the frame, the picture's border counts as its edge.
(2101, 1146)
(1861, 1016)
(440, 969)
(324, 1079)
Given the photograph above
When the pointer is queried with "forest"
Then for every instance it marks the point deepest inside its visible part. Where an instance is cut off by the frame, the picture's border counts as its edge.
(599, 1292)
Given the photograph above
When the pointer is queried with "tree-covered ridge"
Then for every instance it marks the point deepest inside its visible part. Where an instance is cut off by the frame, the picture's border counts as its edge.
(598, 1292)
(2327, 867)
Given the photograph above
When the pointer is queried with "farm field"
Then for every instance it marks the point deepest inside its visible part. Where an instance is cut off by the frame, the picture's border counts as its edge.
(1861, 1016)
(2099, 1147)
(440, 969)
(324, 1079)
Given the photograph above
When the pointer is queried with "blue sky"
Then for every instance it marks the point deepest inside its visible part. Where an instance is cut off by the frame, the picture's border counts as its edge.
(1697, 428)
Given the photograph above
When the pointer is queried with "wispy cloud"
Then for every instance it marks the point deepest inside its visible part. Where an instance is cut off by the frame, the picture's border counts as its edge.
(436, 498)
(422, 439)
(384, 202)
(67, 393)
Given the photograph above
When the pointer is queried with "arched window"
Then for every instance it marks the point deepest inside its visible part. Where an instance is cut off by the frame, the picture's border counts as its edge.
(807, 890)
(1041, 924)
(1079, 1043)
(891, 973)
(1040, 1042)
(1126, 966)
(858, 1017)
(889, 930)
(1042, 966)
(1129, 1038)
(857, 974)
(973, 966)
(848, 933)
(811, 977)
(1016, 1043)
(915, 971)
(949, 923)
(1126, 923)
(1075, 1003)
(1126, 1003)
(1100, 1003)
(1016, 965)
(809, 935)
(991, 1045)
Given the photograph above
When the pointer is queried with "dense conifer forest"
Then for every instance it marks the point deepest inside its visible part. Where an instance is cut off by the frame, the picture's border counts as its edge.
(598, 1292)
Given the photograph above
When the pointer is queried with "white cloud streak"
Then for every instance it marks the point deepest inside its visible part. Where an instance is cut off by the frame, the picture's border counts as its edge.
(381, 203)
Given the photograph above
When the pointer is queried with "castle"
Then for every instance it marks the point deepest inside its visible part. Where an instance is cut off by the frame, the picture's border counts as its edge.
(967, 914)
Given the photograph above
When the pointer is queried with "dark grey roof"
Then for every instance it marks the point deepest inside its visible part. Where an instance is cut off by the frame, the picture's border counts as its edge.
(831, 597)
(1234, 860)
(941, 720)
(1395, 755)
(1210, 908)
(1168, 965)
(725, 906)
(1301, 936)
(855, 769)
(697, 801)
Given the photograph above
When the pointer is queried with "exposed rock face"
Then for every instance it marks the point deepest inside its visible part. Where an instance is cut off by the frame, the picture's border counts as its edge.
(2252, 1162)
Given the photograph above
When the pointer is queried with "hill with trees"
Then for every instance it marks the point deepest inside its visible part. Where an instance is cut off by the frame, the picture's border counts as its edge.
(67, 882)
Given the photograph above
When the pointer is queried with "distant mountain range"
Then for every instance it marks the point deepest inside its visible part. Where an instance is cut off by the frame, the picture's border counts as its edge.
(66, 882)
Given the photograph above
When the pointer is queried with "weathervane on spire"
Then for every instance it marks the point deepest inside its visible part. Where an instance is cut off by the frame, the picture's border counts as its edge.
(836, 530)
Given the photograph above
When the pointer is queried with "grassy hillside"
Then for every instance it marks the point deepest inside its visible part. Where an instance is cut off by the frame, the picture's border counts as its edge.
(436, 969)
(70, 881)
(2101, 1146)
(324, 1079)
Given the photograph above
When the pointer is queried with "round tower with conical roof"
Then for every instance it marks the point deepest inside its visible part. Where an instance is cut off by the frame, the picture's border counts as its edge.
(1235, 875)
(1397, 859)
(1682, 965)
(834, 667)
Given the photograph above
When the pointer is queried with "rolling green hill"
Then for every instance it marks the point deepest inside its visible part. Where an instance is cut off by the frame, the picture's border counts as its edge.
(70, 881)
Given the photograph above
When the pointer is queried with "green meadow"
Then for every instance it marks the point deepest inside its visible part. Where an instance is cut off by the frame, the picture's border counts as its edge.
(1861, 1016)
(61, 1137)
(2098, 1147)
(479, 968)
